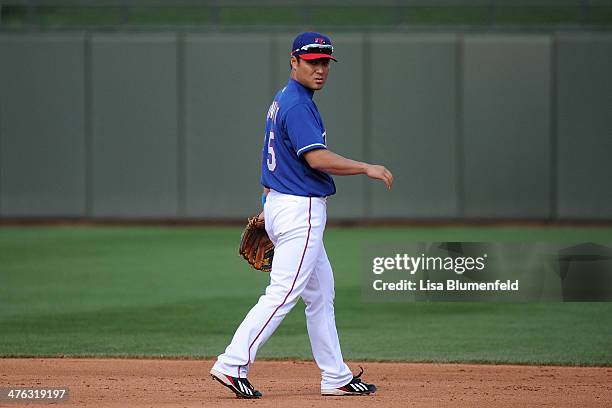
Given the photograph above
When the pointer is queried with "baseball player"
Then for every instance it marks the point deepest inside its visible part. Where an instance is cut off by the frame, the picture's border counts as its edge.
(296, 169)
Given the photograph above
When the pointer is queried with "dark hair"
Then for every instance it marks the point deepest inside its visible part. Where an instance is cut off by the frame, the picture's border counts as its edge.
(298, 61)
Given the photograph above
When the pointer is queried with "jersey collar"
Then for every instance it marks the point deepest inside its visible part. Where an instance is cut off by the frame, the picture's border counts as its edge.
(301, 88)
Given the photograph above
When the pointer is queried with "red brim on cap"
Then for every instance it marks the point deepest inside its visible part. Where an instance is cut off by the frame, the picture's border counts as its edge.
(316, 56)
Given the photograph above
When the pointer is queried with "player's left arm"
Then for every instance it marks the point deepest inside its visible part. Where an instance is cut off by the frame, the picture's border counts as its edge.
(264, 194)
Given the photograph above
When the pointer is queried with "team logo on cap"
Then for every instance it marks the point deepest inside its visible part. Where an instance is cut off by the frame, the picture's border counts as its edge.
(319, 40)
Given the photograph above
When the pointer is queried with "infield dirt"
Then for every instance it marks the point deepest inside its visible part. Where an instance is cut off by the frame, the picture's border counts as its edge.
(186, 383)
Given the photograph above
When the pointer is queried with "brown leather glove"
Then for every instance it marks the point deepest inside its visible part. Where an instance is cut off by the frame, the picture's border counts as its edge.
(255, 245)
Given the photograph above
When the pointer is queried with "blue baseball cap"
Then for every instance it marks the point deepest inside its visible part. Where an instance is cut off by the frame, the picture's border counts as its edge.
(310, 45)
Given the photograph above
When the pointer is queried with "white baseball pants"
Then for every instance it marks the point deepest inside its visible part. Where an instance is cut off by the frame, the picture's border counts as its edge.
(300, 268)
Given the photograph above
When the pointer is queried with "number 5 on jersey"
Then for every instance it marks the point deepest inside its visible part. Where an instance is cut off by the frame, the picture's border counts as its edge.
(271, 156)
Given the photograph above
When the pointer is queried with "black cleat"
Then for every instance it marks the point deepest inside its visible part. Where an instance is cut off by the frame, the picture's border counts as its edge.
(355, 387)
(240, 386)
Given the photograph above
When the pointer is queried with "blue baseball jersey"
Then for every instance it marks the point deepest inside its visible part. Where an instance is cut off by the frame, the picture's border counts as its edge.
(294, 127)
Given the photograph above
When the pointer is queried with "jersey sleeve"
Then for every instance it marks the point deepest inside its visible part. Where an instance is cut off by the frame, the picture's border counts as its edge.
(303, 129)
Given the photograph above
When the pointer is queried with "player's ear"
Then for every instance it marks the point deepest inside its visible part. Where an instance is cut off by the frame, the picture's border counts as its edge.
(293, 62)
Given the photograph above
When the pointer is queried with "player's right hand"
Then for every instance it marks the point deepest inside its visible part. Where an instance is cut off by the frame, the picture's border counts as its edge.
(378, 172)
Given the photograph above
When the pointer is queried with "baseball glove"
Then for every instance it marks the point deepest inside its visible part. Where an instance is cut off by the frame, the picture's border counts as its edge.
(255, 245)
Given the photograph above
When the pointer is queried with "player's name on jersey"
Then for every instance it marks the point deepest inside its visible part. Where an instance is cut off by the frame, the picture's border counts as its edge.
(448, 285)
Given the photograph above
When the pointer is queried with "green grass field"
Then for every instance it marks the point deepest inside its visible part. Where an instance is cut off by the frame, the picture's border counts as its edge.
(181, 292)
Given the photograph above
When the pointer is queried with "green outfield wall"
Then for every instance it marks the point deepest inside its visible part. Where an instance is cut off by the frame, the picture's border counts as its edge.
(170, 124)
